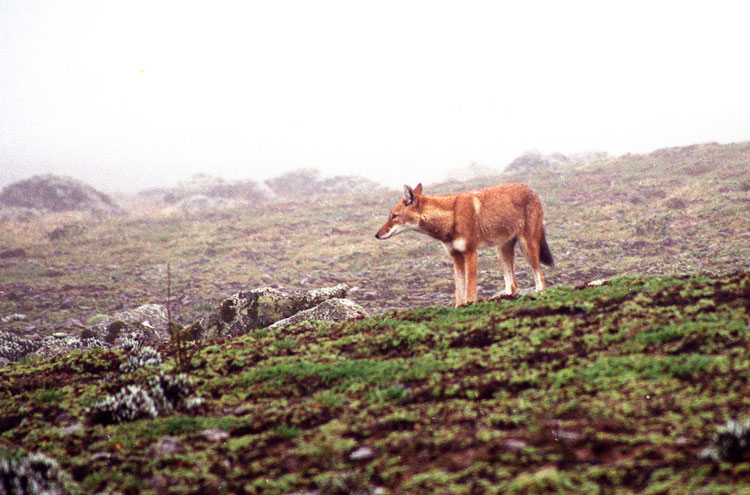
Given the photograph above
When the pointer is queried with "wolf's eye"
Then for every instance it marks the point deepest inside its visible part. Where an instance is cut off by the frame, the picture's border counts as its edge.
(395, 215)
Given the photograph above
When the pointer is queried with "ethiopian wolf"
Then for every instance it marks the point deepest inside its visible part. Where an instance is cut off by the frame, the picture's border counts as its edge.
(497, 216)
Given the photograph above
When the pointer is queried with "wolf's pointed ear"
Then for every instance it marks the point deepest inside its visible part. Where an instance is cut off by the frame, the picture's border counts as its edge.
(418, 189)
(408, 195)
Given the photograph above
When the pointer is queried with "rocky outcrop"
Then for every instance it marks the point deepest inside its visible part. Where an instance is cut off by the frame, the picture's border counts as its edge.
(146, 324)
(237, 314)
(307, 182)
(259, 308)
(14, 347)
(200, 204)
(534, 160)
(331, 310)
(204, 192)
(53, 193)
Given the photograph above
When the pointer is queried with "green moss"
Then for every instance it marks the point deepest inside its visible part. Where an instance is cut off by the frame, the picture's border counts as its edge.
(611, 389)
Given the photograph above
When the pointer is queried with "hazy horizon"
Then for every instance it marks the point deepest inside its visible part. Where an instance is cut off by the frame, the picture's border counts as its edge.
(127, 96)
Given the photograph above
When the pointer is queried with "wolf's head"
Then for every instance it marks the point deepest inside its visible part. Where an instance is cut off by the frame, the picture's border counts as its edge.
(404, 216)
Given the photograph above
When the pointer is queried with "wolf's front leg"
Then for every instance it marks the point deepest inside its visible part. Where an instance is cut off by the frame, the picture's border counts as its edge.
(470, 267)
(459, 277)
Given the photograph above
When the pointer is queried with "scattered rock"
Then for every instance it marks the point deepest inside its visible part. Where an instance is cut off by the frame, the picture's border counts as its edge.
(71, 429)
(514, 444)
(597, 283)
(331, 310)
(258, 308)
(362, 454)
(242, 410)
(13, 317)
(53, 193)
(166, 446)
(214, 435)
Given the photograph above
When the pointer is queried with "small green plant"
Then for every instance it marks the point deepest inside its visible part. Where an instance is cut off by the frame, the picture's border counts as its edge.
(288, 431)
(330, 399)
(286, 343)
(394, 393)
(47, 395)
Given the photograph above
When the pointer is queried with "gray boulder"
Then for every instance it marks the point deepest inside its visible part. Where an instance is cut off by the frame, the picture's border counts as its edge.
(146, 324)
(53, 193)
(331, 310)
(258, 308)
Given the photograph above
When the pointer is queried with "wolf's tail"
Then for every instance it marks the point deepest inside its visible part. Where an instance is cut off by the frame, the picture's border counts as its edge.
(545, 255)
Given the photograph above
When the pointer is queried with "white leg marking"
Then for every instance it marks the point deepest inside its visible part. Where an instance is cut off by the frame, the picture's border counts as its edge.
(507, 275)
(461, 286)
(459, 245)
(538, 281)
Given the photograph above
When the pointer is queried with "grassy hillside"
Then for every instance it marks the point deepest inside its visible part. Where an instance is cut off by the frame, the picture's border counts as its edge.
(614, 389)
(671, 212)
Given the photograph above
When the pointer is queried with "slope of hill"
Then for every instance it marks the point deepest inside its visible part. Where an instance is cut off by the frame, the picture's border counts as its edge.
(617, 388)
(614, 389)
(676, 211)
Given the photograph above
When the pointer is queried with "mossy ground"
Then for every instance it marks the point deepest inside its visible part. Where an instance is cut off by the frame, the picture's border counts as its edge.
(613, 389)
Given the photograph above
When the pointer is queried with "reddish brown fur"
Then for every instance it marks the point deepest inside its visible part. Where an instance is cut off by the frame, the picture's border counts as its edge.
(496, 216)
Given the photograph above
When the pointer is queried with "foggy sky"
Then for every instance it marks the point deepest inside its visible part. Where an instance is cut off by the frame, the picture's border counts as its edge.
(137, 94)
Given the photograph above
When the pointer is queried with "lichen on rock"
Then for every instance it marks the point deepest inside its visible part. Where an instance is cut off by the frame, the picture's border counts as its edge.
(146, 323)
(258, 308)
(330, 310)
